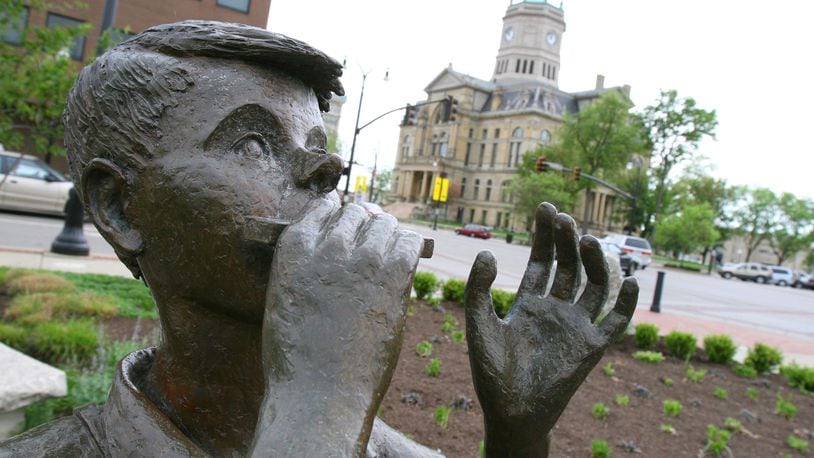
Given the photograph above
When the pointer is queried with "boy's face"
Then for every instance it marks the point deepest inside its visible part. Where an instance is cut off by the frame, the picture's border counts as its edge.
(229, 150)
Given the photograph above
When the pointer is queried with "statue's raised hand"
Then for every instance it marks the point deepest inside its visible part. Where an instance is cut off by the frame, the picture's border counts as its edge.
(332, 332)
(527, 366)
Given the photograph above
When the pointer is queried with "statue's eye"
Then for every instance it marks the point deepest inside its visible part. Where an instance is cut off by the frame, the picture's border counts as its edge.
(251, 145)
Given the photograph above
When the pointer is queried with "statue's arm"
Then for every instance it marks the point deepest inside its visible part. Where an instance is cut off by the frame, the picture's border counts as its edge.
(387, 442)
(62, 437)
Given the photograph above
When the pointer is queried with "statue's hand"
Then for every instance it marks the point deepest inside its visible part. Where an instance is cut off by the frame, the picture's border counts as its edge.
(527, 366)
(335, 312)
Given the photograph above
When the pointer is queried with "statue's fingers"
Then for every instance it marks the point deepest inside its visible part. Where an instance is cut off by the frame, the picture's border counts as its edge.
(596, 269)
(538, 270)
(617, 320)
(302, 232)
(566, 240)
(344, 228)
(404, 249)
(481, 320)
(374, 238)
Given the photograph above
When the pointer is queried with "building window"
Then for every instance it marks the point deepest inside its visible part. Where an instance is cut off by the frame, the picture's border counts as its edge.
(405, 147)
(480, 156)
(483, 217)
(494, 156)
(484, 134)
(119, 35)
(237, 5)
(497, 221)
(77, 50)
(497, 134)
(554, 73)
(488, 190)
(517, 67)
(545, 136)
(471, 133)
(471, 215)
(468, 152)
(525, 64)
(463, 187)
(14, 29)
(531, 68)
(476, 191)
(545, 68)
(505, 195)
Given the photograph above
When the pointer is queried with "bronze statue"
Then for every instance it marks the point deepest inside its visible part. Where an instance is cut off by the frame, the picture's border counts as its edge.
(199, 152)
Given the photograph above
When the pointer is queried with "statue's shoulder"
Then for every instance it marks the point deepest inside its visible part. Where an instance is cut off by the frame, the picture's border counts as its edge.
(386, 442)
(67, 436)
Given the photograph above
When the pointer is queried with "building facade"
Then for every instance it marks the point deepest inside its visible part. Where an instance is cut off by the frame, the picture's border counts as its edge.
(497, 121)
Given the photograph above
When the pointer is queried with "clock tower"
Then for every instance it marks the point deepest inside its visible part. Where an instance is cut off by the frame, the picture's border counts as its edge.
(530, 43)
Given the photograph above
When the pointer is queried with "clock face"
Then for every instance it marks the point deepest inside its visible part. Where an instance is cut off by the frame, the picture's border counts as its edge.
(508, 34)
(551, 38)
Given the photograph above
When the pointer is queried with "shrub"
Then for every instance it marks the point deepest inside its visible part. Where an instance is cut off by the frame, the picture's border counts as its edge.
(442, 416)
(59, 341)
(651, 357)
(447, 327)
(732, 425)
(608, 370)
(801, 445)
(502, 301)
(449, 323)
(453, 290)
(647, 336)
(799, 377)
(719, 348)
(742, 370)
(14, 336)
(672, 407)
(622, 400)
(784, 407)
(600, 449)
(458, 336)
(423, 349)
(680, 344)
(433, 368)
(694, 375)
(600, 411)
(434, 301)
(721, 393)
(763, 357)
(753, 393)
(425, 283)
(717, 440)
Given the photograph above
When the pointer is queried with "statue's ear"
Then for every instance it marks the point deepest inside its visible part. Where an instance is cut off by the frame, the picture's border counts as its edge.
(104, 187)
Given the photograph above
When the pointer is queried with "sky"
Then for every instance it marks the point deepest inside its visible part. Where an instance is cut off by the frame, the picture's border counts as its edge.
(750, 61)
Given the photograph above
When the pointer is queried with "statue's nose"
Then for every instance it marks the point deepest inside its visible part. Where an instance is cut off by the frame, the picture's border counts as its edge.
(317, 171)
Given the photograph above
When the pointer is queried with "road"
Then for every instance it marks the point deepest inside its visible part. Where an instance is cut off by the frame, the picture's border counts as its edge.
(770, 308)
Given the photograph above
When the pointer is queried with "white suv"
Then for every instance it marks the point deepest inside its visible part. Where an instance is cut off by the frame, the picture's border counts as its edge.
(637, 247)
(783, 276)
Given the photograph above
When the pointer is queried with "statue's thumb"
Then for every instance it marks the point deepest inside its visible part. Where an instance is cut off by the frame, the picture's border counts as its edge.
(477, 296)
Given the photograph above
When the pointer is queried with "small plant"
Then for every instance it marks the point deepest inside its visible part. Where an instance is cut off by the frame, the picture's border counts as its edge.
(799, 377)
(410, 310)
(680, 344)
(442, 416)
(433, 368)
(425, 283)
(458, 336)
(600, 411)
(647, 336)
(449, 323)
(717, 440)
(671, 407)
(763, 357)
(784, 407)
(733, 425)
(650, 357)
(695, 376)
(801, 445)
(502, 301)
(607, 369)
(622, 400)
(667, 428)
(721, 393)
(423, 349)
(434, 301)
(600, 449)
(742, 370)
(453, 290)
(719, 348)
(667, 381)
(446, 328)
(753, 393)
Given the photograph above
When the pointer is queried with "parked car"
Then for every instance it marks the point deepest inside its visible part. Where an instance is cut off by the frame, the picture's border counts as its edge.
(30, 185)
(802, 278)
(806, 281)
(372, 209)
(625, 260)
(747, 271)
(474, 230)
(783, 276)
(638, 248)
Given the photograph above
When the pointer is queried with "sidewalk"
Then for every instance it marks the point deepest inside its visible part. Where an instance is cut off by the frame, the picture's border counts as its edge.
(796, 349)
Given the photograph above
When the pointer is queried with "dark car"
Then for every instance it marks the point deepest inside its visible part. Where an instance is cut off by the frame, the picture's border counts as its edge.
(475, 230)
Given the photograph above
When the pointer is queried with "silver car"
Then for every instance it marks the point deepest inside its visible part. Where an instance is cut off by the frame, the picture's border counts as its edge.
(30, 185)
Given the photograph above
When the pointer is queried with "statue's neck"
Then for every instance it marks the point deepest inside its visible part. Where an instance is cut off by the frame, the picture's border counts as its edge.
(208, 377)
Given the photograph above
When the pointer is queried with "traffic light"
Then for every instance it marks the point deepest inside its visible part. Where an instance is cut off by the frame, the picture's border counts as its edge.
(541, 165)
(451, 113)
(576, 172)
(410, 115)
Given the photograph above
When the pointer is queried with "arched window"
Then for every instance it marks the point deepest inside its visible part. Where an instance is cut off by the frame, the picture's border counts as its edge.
(515, 146)
(545, 136)
(405, 147)
(463, 187)
(477, 189)
(517, 133)
(488, 190)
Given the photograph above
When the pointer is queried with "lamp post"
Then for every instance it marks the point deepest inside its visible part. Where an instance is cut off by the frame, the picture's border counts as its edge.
(635, 161)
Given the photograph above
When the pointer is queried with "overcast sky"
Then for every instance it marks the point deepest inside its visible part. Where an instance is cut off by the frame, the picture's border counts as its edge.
(750, 61)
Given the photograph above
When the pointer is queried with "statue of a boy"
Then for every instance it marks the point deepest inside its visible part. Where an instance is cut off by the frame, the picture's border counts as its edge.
(181, 141)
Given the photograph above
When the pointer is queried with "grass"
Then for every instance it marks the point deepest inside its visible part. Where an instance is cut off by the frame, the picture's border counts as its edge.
(442, 416)
(672, 407)
(131, 297)
(650, 357)
(433, 368)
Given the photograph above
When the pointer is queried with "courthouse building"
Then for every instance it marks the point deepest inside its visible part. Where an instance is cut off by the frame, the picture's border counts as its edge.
(498, 120)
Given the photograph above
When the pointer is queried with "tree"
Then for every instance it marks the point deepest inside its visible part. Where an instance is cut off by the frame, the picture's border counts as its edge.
(755, 217)
(382, 184)
(687, 231)
(528, 188)
(675, 126)
(793, 232)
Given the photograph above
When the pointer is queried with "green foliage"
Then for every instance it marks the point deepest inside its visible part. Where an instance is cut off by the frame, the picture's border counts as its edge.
(763, 357)
(131, 297)
(717, 440)
(447, 327)
(680, 344)
(784, 407)
(14, 336)
(527, 187)
(59, 341)
(442, 416)
(753, 393)
(801, 445)
(458, 336)
(667, 381)
(600, 411)
(481, 450)
(622, 400)
(732, 425)
(694, 375)
(719, 348)
(454, 290)
(600, 449)
(799, 377)
(434, 301)
(425, 283)
(30, 282)
(721, 393)
(647, 336)
(742, 370)
(433, 368)
(450, 319)
(608, 370)
(688, 230)
(31, 309)
(667, 428)
(410, 310)
(423, 349)
(502, 301)
(671, 407)
(650, 357)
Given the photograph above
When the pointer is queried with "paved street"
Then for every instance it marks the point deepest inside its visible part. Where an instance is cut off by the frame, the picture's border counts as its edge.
(20, 230)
